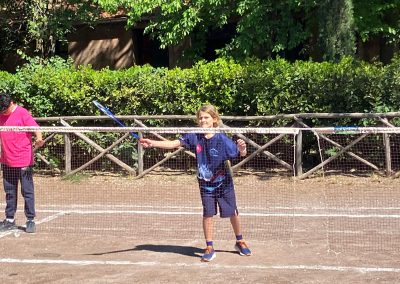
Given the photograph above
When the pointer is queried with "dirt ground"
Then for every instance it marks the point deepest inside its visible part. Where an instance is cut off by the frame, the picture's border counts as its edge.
(114, 229)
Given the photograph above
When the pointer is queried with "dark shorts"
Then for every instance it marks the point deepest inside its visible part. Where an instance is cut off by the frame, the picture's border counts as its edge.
(222, 198)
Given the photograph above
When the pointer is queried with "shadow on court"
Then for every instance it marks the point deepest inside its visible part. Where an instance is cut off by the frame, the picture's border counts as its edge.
(183, 250)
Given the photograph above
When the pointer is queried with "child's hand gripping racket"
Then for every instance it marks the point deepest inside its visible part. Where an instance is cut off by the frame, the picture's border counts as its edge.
(107, 112)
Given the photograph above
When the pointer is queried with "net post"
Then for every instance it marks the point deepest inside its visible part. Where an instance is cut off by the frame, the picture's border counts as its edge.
(388, 161)
(68, 153)
(299, 153)
(140, 154)
(386, 144)
(67, 150)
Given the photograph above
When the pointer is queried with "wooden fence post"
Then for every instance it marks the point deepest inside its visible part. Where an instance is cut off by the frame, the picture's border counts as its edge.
(68, 153)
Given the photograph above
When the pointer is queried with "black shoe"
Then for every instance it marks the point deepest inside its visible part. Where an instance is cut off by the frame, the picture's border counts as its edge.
(7, 225)
(30, 226)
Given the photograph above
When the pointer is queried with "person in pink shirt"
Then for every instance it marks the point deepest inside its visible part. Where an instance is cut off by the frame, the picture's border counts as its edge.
(16, 158)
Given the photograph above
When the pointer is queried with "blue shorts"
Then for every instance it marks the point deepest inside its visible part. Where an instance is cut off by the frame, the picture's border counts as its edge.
(221, 197)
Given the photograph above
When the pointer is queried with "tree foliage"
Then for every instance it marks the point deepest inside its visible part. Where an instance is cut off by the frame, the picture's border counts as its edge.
(41, 23)
(266, 27)
(323, 30)
(262, 26)
(336, 29)
(378, 18)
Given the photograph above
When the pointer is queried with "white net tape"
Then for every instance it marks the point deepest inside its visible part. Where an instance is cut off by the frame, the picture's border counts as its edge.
(234, 130)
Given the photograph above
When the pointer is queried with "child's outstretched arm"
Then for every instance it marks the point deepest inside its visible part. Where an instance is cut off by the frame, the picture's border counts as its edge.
(167, 144)
(242, 147)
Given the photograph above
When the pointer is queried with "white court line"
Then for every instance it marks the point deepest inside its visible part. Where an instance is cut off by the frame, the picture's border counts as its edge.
(50, 218)
(300, 208)
(149, 212)
(219, 266)
(44, 220)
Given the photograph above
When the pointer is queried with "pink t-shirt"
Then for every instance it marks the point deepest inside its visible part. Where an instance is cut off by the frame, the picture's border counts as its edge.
(16, 146)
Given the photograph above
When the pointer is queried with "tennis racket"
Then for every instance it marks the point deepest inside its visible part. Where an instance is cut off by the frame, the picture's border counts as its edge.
(107, 112)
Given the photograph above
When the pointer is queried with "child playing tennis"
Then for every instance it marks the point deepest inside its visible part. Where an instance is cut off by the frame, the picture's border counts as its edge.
(16, 158)
(215, 180)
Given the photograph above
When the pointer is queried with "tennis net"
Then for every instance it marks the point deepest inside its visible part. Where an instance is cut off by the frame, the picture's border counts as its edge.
(335, 187)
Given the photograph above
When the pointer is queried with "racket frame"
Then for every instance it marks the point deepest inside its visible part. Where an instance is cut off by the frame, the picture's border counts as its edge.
(107, 112)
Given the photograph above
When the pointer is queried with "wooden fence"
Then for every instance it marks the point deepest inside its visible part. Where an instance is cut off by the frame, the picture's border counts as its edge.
(300, 121)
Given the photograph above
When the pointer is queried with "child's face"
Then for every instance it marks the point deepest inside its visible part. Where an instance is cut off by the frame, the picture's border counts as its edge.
(7, 111)
(206, 120)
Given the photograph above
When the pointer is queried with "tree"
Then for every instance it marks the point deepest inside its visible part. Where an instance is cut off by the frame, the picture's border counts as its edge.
(378, 17)
(265, 28)
(378, 28)
(41, 23)
(335, 30)
(262, 27)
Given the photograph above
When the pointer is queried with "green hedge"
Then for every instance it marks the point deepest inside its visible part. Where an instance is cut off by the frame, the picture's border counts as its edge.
(56, 87)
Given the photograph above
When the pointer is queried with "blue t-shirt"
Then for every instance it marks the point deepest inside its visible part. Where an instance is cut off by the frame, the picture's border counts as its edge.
(211, 155)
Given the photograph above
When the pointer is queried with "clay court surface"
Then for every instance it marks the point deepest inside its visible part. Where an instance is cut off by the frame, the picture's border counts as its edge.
(111, 229)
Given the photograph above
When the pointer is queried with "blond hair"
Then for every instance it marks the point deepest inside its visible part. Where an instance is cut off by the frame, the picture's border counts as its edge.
(211, 110)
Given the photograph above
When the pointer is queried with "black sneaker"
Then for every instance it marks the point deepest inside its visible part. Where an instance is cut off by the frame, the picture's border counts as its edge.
(30, 226)
(7, 225)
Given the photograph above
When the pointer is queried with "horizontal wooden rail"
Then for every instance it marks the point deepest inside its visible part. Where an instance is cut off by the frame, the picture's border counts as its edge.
(233, 118)
(297, 120)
